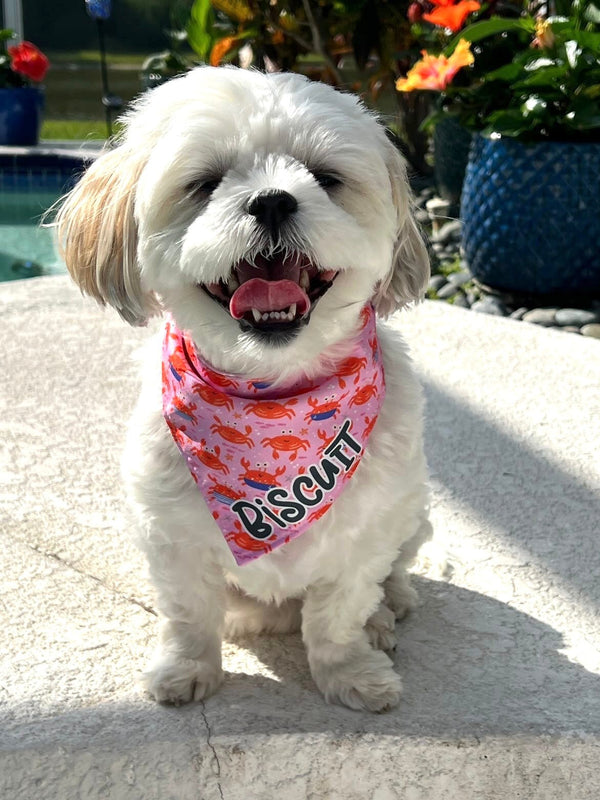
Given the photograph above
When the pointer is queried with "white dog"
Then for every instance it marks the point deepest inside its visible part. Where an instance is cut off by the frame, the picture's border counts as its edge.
(268, 216)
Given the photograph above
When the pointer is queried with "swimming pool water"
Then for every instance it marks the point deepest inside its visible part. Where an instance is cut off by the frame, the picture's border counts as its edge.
(26, 249)
(30, 183)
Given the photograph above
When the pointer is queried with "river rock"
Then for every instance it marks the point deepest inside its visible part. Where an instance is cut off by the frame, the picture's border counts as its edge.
(490, 305)
(541, 316)
(575, 316)
(592, 330)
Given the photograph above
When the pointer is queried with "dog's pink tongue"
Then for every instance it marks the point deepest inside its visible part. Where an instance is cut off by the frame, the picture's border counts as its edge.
(268, 296)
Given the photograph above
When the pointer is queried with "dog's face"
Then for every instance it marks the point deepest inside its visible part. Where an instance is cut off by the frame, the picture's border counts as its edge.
(263, 211)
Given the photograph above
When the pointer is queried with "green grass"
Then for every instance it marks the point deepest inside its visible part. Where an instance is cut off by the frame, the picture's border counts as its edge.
(73, 89)
(73, 129)
(60, 58)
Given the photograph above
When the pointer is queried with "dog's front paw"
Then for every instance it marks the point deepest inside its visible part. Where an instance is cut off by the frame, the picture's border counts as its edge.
(364, 681)
(173, 679)
(400, 597)
(381, 628)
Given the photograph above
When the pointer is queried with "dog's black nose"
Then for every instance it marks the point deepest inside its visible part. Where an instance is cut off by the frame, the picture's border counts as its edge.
(272, 207)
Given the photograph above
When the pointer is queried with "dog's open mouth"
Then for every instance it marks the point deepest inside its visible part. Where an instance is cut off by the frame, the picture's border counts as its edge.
(273, 294)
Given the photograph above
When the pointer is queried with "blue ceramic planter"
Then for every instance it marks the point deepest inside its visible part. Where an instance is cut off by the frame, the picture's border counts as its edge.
(21, 115)
(531, 215)
(451, 144)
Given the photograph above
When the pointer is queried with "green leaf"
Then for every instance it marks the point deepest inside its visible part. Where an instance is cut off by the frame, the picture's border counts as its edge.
(507, 123)
(573, 52)
(584, 115)
(490, 27)
(539, 63)
(508, 73)
(534, 107)
(592, 13)
(566, 31)
(200, 28)
(550, 76)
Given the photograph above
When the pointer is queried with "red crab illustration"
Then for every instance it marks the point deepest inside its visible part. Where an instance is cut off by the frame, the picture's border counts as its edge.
(374, 348)
(320, 512)
(212, 396)
(352, 470)
(260, 478)
(364, 395)
(245, 541)
(323, 410)
(287, 443)
(326, 438)
(269, 409)
(177, 433)
(350, 366)
(185, 410)
(220, 380)
(224, 493)
(209, 456)
(370, 426)
(231, 434)
(177, 364)
(364, 317)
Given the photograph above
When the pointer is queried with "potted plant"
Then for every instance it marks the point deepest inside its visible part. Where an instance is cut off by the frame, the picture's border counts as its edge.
(528, 86)
(355, 45)
(21, 101)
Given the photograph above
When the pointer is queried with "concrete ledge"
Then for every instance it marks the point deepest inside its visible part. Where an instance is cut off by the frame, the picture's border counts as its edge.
(501, 663)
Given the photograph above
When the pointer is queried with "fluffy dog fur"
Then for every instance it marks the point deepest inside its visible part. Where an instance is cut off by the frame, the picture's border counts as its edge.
(166, 211)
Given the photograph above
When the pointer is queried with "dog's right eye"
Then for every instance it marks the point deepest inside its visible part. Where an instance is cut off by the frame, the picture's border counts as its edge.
(326, 180)
(203, 187)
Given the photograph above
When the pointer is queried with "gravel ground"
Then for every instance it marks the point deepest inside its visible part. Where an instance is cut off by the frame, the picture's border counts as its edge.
(452, 282)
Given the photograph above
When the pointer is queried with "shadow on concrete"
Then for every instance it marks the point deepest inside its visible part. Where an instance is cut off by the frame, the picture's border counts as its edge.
(472, 667)
(540, 508)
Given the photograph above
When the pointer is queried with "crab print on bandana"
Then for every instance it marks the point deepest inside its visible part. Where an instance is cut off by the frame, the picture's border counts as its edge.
(270, 460)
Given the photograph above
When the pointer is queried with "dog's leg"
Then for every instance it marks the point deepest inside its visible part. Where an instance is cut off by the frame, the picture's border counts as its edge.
(381, 628)
(247, 615)
(191, 601)
(399, 595)
(343, 664)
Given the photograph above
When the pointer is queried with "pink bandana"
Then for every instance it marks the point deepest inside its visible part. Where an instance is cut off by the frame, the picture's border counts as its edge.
(270, 461)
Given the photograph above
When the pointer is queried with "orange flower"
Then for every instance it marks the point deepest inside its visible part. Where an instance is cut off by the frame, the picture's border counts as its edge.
(453, 16)
(221, 48)
(436, 72)
(544, 37)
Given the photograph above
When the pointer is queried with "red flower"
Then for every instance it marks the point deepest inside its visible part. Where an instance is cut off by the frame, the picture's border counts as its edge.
(29, 61)
(451, 15)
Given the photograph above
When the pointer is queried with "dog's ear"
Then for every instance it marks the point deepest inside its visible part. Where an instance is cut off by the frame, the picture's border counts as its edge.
(408, 276)
(98, 237)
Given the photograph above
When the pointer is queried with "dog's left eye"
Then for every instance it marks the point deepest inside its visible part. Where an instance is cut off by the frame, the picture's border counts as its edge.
(203, 186)
(326, 180)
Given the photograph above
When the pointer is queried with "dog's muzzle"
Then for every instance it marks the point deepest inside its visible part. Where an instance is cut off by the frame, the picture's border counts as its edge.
(272, 294)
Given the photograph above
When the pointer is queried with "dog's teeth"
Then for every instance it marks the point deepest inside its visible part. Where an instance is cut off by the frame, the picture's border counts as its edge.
(232, 283)
(265, 317)
(304, 279)
(292, 311)
(275, 314)
(256, 314)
